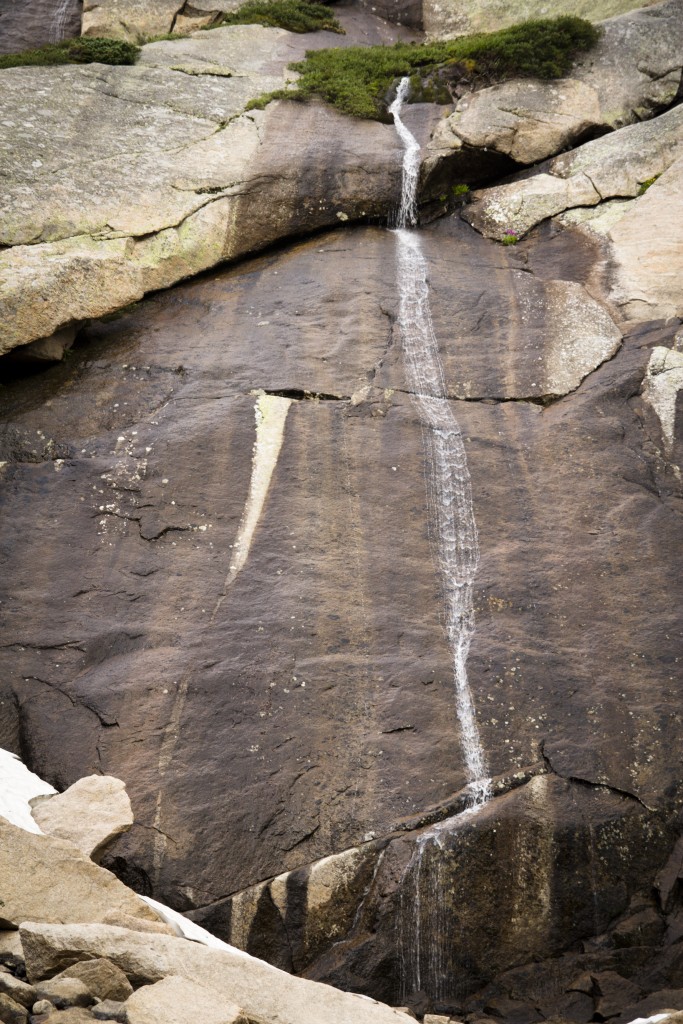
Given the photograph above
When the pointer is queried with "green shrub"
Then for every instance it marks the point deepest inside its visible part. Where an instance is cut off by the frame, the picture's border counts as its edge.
(509, 238)
(294, 15)
(357, 79)
(85, 50)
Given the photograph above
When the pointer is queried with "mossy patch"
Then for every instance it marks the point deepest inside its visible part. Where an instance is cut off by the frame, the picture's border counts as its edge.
(86, 50)
(646, 184)
(294, 15)
(357, 80)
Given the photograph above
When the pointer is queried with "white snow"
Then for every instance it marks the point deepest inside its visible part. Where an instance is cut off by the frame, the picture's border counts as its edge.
(18, 786)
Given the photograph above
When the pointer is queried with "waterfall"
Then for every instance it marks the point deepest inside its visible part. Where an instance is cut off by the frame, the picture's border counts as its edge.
(59, 20)
(450, 500)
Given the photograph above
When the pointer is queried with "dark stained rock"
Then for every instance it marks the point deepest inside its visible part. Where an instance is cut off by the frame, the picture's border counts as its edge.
(27, 24)
(266, 718)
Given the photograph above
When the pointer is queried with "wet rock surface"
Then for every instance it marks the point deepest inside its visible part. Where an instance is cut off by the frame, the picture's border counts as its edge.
(26, 25)
(302, 706)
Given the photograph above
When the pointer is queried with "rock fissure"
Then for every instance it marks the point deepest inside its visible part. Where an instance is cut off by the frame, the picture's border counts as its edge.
(581, 781)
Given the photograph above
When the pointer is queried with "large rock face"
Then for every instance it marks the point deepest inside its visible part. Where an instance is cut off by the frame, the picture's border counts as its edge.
(300, 704)
(182, 181)
(223, 586)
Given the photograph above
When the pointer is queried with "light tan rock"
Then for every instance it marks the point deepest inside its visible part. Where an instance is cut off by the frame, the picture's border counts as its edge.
(526, 119)
(633, 72)
(517, 207)
(11, 943)
(89, 814)
(64, 992)
(121, 920)
(176, 1000)
(18, 990)
(11, 1012)
(134, 20)
(614, 165)
(46, 879)
(259, 989)
(104, 979)
(646, 249)
(446, 18)
(182, 182)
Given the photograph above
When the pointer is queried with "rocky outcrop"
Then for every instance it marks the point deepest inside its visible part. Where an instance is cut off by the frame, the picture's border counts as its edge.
(634, 71)
(134, 20)
(444, 18)
(643, 245)
(262, 992)
(186, 181)
(25, 26)
(31, 866)
(183, 182)
(89, 814)
(616, 165)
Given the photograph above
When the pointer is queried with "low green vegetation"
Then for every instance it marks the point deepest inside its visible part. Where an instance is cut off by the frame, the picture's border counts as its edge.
(357, 80)
(646, 184)
(85, 50)
(294, 15)
(510, 238)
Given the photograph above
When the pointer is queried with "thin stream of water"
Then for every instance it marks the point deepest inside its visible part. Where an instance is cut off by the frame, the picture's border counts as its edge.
(423, 920)
(59, 20)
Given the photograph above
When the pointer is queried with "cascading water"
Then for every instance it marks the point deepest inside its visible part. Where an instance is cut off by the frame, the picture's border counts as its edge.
(60, 19)
(450, 498)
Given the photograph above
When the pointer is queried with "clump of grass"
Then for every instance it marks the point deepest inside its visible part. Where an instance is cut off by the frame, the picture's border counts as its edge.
(85, 50)
(646, 184)
(510, 238)
(357, 79)
(294, 15)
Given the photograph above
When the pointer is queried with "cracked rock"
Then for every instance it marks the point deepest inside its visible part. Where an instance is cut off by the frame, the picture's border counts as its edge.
(89, 814)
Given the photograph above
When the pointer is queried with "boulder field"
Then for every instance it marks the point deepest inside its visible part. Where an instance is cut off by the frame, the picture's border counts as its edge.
(221, 580)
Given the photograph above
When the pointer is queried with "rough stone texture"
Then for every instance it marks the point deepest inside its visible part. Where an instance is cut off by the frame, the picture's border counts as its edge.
(49, 880)
(526, 120)
(132, 656)
(137, 924)
(135, 20)
(74, 1015)
(26, 24)
(64, 992)
(614, 165)
(11, 1012)
(181, 182)
(109, 1009)
(634, 71)
(18, 990)
(102, 978)
(261, 990)
(445, 18)
(88, 814)
(646, 247)
(176, 1000)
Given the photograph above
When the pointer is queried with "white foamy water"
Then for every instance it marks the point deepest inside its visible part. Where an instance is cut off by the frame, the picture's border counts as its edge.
(449, 479)
(59, 20)
(424, 920)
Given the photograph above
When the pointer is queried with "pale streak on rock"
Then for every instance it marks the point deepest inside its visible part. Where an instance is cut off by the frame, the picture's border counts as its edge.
(271, 413)
(663, 381)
